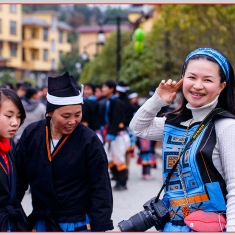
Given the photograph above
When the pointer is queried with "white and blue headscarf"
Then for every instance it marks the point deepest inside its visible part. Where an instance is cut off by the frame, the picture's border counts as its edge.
(217, 56)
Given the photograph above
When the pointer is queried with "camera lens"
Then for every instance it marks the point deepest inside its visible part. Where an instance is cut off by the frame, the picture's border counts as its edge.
(139, 222)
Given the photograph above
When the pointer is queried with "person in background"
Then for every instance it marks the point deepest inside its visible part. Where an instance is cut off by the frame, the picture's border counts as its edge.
(134, 100)
(12, 115)
(90, 109)
(34, 110)
(98, 92)
(8, 85)
(115, 136)
(21, 88)
(121, 90)
(43, 95)
(65, 165)
(146, 156)
(204, 179)
(102, 105)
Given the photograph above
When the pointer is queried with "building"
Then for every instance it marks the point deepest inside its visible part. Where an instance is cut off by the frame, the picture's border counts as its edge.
(88, 37)
(11, 39)
(139, 15)
(44, 42)
(31, 45)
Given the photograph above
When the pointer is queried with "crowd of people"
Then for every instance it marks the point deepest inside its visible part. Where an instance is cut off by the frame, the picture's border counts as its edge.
(107, 109)
(97, 117)
(66, 142)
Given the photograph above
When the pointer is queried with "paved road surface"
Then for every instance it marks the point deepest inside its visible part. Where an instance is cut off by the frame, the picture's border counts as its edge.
(128, 202)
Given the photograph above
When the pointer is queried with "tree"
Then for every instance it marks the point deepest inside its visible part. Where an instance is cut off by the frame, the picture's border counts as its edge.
(103, 67)
(76, 19)
(68, 63)
(179, 30)
(112, 13)
(32, 81)
(7, 77)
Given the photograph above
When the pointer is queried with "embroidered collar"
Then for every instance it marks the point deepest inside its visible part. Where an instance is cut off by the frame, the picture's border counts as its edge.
(58, 146)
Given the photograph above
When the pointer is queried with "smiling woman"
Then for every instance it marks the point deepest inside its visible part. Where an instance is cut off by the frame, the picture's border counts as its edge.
(64, 120)
(202, 82)
(65, 165)
(206, 167)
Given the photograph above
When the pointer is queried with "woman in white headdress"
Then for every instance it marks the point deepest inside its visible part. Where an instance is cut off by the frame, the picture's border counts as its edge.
(65, 165)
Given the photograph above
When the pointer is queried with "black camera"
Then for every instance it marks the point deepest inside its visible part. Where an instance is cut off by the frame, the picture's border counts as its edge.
(155, 213)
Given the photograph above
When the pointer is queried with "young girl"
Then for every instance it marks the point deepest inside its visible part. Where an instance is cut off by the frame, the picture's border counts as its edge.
(146, 154)
(12, 115)
(204, 179)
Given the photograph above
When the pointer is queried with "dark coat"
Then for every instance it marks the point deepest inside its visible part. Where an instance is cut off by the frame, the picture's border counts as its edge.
(102, 107)
(74, 183)
(90, 114)
(116, 116)
(10, 207)
(128, 111)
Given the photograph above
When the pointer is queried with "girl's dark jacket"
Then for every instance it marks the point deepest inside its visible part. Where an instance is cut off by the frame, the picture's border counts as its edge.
(74, 183)
(10, 208)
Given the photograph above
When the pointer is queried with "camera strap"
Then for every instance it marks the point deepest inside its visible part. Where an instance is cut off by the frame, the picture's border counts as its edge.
(202, 125)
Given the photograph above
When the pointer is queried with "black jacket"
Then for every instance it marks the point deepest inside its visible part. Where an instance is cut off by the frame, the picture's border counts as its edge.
(10, 207)
(74, 183)
(90, 114)
(116, 116)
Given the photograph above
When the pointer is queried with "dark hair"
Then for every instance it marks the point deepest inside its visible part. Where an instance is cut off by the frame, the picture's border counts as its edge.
(122, 96)
(121, 83)
(226, 98)
(11, 95)
(98, 86)
(111, 84)
(23, 85)
(30, 92)
(91, 85)
(8, 85)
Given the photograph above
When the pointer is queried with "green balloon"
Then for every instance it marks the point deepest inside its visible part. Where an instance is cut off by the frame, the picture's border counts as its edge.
(139, 46)
(139, 35)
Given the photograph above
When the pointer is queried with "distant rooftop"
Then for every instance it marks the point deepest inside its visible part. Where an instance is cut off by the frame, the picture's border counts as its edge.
(105, 28)
(51, 12)
(30, 20)
(62, 25)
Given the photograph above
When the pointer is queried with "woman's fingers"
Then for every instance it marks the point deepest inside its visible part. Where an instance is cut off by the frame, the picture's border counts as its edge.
(172, 96)
(179, 83)
(171, 84)
(167, 89)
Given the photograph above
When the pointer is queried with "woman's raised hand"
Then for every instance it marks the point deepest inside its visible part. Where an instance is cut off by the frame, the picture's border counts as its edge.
(167, 90)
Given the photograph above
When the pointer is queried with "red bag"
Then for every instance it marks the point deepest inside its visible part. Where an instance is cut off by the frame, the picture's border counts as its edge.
(153, 161)
(139, 160)
(201, 221)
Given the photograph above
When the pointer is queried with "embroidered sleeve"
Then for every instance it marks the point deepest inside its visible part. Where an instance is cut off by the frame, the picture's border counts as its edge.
(145, 124)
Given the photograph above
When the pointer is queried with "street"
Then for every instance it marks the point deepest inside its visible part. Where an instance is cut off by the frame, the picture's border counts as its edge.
(129, 202)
